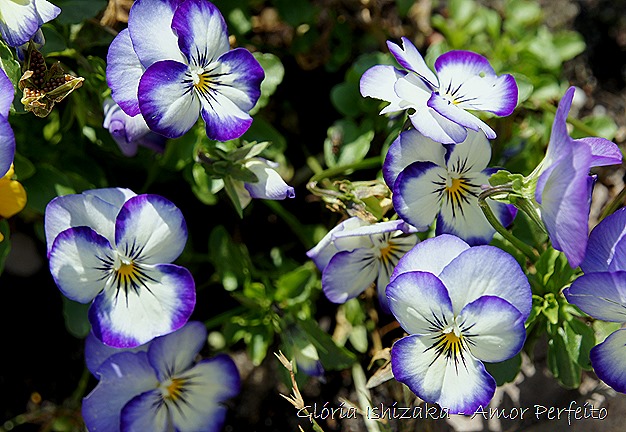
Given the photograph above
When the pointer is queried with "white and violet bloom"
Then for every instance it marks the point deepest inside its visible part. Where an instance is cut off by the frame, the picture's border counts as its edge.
(162, 388)
(601, 293)
(174, 63)
(440, 103)
(7, 137)
(113, 249)
(21, 19)
(430, 181)
(356, 254)
(461, 306)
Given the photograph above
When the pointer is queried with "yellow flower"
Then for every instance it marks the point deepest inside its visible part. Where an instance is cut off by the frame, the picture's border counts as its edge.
(12, 196)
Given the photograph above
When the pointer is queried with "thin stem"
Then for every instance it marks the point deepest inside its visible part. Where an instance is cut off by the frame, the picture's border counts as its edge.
(224, 316)
(81, 388)
(493, 220)
(372, 162)
(615, 204)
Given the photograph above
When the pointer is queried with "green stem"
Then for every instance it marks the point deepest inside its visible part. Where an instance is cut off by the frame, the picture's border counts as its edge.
(615, 204)
(293, 222)
(372, 162)
(224, 316)
(493, 220)
(81, 388)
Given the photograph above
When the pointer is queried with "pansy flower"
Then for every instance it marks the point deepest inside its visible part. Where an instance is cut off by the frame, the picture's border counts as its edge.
(269, 185)
(356, 254)
(430, 181)
(564, 184)
(113, 249)
(174, 63)
(7, 138)
(461, 306)
(440, 102)
(130, 132)
(601, 293)
(20, 19)
(163, 388)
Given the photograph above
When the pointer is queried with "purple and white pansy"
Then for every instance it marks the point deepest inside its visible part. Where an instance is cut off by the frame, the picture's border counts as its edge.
(461, 306)
(113, 249)
(7, 138)
(601, 293)
(440, 102)
(564, 184)
(431, 181)
(130, 132)
(174, 63)
(356, 254)
(162, 388)
(269, 185)
(21, 19)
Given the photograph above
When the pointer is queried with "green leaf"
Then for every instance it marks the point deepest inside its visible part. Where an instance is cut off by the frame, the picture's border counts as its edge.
(76, 318)
(46, 183)
(505, 371)
(346, 143)
(203, 186)
(524, 87)
(291, 286)
(579, 339)
(332, 356)
(296, 12)
(231, 191)
(358, 338)
(565, 369)
(260, 339)
(568, 44)
(274, 73)
(603, 125)
(345, 98)
(230, 259)
(551, 308)
(77, 11)
(12, 69)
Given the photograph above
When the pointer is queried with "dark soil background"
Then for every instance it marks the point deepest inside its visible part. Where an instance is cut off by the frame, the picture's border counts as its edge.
(42, 363)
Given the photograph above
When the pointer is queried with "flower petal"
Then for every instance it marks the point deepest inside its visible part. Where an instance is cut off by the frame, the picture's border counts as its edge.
(375, 229)
(19, 21)
(77, 263)
(458, 115)
(270, 185)
(234, 90)
(497, 328)
(131, 316)
(416, 197)
(151, 229)
(410, 146)
(378, 82)
(7, 93)
(13, 197)
(486, 270)
(201, 31)
(603, 151)
(606, 250)
(559, 137)
(167, 100)
(150, 27)
(123, 73)
(349, 273)
(96, 353)
(609, 362)
(460, 389)
(418, 300)
(409, 58)
(326, 248)
(7, 146)
(601, 295)
(391, 252)
(472, 155)
(122, 377)
(469, 80)
(129, 132)
(174, 353)
(46, 11)
(565, 202)
(145, 412)
(431, 255)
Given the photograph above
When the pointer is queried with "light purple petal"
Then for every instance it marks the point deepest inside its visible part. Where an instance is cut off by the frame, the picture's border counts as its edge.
(375, 229)
(431, 255)
(167, 100)
(326, 248)
(458, 115)
(392, 250)
(150, 27)
(151, 229)
(348, 274)
(122, 377)
(96, 353)
(486, 270)
(565, 202)
(174, 353)
(606, 250)
(21, 20)
(7, 146)
(378, 82)
(411, 146)
(603, 151)
(409, 58)
(497, 328)
(415, 196)
(123, 71)
(145, 412)
(560, 141)
(270, 185)
(7, 93)
(156, 304)
(46, 11)
(77, 263)
(461, 388)
(601, 295)
(416, 299)
(233, 90)
(609, 360)
(201, 31)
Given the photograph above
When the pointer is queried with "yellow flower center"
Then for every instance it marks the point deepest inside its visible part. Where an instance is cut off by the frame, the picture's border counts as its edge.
(173, 389)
